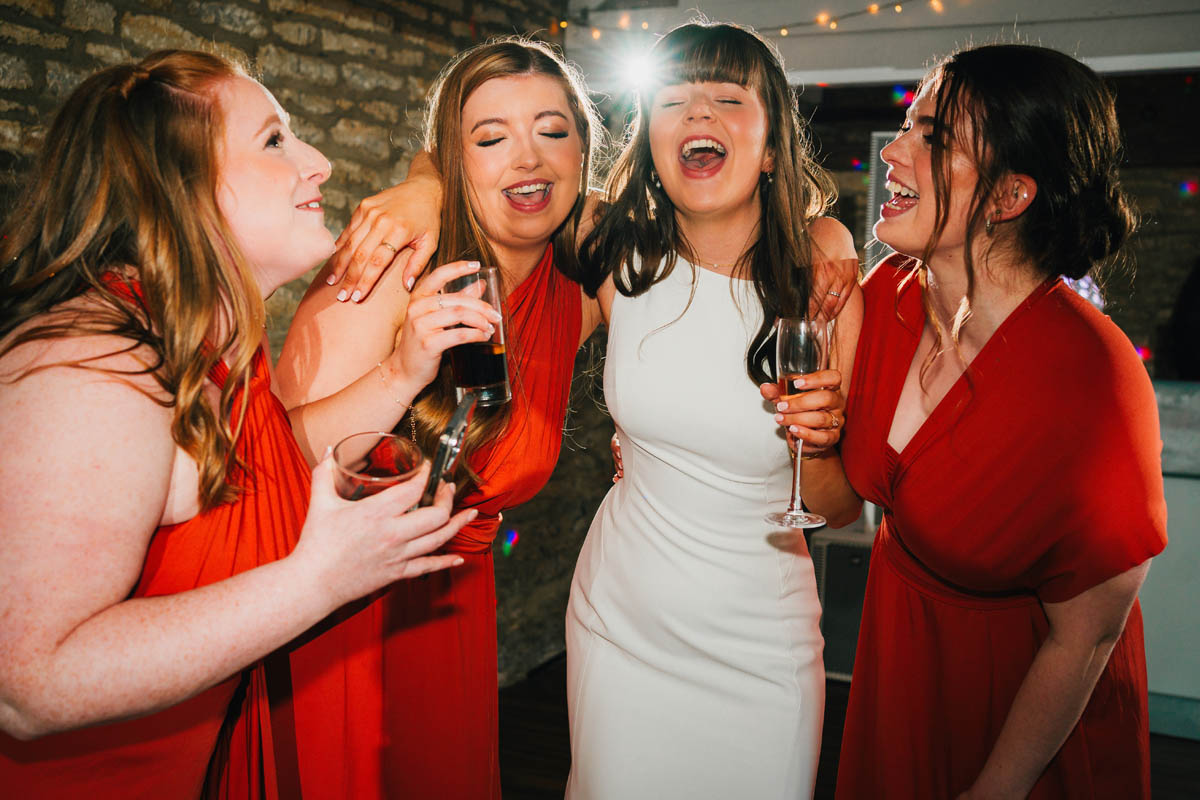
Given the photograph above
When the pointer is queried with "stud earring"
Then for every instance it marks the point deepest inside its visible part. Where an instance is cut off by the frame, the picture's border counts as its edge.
(654, 179)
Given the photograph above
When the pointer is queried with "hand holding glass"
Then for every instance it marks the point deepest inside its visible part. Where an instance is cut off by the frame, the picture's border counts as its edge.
(481, 367)
(801, 347)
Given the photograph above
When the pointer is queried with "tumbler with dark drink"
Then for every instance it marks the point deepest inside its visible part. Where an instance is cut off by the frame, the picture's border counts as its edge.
(481, 367)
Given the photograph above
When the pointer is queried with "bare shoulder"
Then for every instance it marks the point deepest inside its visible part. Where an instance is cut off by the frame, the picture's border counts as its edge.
(831, 240)
(85, 475)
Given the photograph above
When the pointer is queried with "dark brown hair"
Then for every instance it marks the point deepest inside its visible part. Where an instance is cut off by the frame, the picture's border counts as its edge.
(637, 240)
(1022, 109)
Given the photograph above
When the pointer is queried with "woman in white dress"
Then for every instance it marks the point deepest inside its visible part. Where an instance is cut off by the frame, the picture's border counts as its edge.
(694, 663)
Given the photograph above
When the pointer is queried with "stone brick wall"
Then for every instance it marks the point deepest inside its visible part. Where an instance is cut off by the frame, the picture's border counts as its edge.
(354, 76)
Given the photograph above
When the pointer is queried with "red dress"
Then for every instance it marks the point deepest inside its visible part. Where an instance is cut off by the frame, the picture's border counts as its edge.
(420, 715)
(998, 502)
(167, 755)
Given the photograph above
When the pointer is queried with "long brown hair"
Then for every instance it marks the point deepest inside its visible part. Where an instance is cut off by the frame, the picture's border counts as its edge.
(462, 236)
(127, 180)
(1032, 111)
(638, 237)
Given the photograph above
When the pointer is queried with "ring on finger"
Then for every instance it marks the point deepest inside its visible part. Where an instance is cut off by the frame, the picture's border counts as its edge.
(833, 421)
(389, 246)
(440, 303)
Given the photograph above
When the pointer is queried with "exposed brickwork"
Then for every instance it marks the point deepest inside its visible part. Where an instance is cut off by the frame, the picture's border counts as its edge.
(354, 75)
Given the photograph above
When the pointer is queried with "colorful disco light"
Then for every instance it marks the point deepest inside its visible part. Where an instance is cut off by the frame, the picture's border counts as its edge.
(510, 541)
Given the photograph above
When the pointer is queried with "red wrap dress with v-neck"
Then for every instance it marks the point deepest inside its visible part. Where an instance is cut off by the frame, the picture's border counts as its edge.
(1036, 478)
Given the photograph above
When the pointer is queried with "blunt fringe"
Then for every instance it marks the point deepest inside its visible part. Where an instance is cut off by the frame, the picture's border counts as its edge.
(637, 239)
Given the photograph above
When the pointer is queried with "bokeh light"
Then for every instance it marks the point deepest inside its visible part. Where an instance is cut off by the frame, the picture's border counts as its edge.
(511, 537)
(902, 96)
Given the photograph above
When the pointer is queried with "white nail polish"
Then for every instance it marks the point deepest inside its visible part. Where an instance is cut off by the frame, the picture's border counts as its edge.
(331, 279)
(356, 296)
(474, 264)
(781, 406)
(779, 417)
(409, 283)
(491, 329)
(341, 296)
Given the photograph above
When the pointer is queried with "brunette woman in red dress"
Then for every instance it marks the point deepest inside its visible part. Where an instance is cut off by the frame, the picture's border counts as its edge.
(510, 131)
(1010, 434)
(152, 497)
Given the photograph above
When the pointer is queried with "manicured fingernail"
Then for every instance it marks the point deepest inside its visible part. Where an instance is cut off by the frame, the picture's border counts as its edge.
(342, 295)
(356, 296)
(781, 406)
(331, 279)
(474, 513)
(494, 314)
(779, 417)
(799, 383)
(328, 450)
(473, 264)
(408, 284)
(794, 428)
(491, 329)
(458, 562)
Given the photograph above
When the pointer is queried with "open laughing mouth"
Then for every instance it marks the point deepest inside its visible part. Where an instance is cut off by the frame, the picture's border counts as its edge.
(902, 199)
(529, 196)
(701, 156)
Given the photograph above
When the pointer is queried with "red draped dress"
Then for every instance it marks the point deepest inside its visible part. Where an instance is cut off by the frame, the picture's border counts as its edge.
(168, 754)
(419, 716)
(1035, 479)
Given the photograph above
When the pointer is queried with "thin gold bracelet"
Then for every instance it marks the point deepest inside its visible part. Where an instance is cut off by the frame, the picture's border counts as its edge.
(383, 380)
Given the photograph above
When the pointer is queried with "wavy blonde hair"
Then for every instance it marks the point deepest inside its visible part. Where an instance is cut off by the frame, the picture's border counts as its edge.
(462, 235)
(127, 181)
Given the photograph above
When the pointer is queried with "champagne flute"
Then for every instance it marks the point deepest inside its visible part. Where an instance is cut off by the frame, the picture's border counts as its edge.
(801, 347)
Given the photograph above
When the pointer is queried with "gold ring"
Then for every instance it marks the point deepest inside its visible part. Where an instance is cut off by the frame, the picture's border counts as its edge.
(833, 421)
(389, 246)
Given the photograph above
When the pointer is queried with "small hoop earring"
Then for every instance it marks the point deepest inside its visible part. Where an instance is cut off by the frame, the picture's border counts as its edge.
(988, 226)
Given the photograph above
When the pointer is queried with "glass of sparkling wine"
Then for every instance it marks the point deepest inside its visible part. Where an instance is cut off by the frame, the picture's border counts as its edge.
(801, 347)
(482, 367)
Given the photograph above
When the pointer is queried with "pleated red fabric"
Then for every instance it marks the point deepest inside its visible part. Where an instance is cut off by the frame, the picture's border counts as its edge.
(1035, 479)
(168, 754)
(415, 672)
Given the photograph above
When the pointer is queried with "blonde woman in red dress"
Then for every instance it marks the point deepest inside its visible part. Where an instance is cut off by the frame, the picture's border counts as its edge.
(511, 134)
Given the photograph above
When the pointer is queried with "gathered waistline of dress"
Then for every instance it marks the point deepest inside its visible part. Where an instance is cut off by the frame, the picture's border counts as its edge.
(913, 572)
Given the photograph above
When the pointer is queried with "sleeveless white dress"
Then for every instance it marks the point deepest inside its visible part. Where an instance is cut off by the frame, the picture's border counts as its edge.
(694, 657)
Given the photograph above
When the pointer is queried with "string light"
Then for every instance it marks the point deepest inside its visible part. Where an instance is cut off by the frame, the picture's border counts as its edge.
(824, 19)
